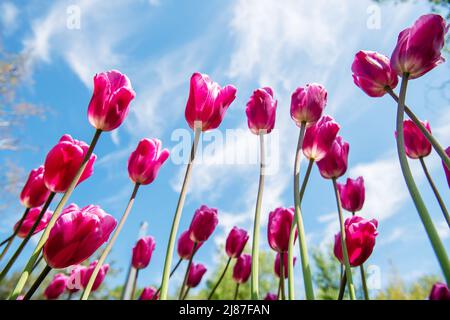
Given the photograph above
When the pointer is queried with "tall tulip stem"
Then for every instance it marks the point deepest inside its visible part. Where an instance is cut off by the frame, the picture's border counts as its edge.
(37, 283)
(220, 279)
(10, 239)
(170, 276)
(133, 289)
(283, 294)
(236, 291)
(110, 244)
(181, 296)
(177, 217)
(436, 242)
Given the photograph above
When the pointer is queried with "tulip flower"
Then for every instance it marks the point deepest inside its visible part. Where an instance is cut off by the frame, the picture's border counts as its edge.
(235, 243)
(416, 144)
(142, 252)
(34, 192)
(203, 224)
(307, 103)
(334, 165)
(360, 239)
(352, 194)
(439, 292)
(74, 282)
(56, 287)
(145, 162)
(261, 110)
(277, 265)
(278, 229)
(271, 296)
(185, 246)
(30, 220)
(149, 294)
(418, 48)
(446, 169)
(319, 138)
(196, 272)
(110, 101)
(86, 275)
(242, 268)
(373, 74)
(77, 234)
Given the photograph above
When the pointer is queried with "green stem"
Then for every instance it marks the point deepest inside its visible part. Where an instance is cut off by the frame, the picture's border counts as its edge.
(110, 244)
(186, 275)
(37, 283)
(170, 276)
(254, 281)
(436, 242)
(364, 284)
(34, 256)
(177, 217)
(133, 290)
(283, 294)
(10, 239)
(186, 293)
(342, 284)
(37, 262)
(69, 295)
(220, 279)
(348, 270)
(236, 291)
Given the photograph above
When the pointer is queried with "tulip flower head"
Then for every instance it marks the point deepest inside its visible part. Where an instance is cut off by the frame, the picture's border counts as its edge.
(110, 101)
(76, 235)
(145, 162)
(352, 194)
(235, 243)
(74, 282)
(34, 192)
(319, 138)
(416, 144)
(334, 165)
(270, 296)
(56, 287)
(242, 268)
(203, 224)
(261, 110)
(439, 292)
(30, 220)
(279, 227)
(185, 247)
(360, 240)
(63, 162)
(142, 252)
(277, 265)
(447, 170)
(307, 103)
(87, 273)
(196, 272)
(207, 102)
(148, 293)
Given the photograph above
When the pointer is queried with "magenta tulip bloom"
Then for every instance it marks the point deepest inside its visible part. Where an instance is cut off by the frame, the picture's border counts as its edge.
(207, 102)
(195, 275)
(439, 292)
(416, 144)
(203, 224)
(447, 170)
(185, 246)
(30, 220)
(110, 101)
(63, 162)
(142, 252)
(76, 235)
(418, 48)
(352, 194)
(34, 192)
(360, 240)
(87, 273)
(261, 110)
(319, 138)
(279, 227)
(56, 287)
(74, 282)
(373, 74)
(236, 240)
(334, 165)
(277, 265)
(242, 268)
(270, 296)
(148, 293)
(307, 103)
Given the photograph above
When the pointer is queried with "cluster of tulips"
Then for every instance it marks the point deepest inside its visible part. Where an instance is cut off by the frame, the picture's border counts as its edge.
(71, 235)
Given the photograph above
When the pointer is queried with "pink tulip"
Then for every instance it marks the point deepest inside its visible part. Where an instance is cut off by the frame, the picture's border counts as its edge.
(87, 273)
(203, 224)
(185, 246)
(307, 103)
(76, 235)
(207, 102)
(319, 138)
(352, 194)
(63, 162)
(30, 220)
(242, 268)
(261, 110)
(236, 240)
(279, 227)
(418, 48)
(34, 192)
(334, 165)
(439, 292)
(360, 240)
(74, 282)
(148, 293)
(142, 252)
(277, 265)
(145, 162)
(270, 296)
(196, 272)
(416, 144)
(447, 170)
(110, 101)
(372, 73)
(56, 287)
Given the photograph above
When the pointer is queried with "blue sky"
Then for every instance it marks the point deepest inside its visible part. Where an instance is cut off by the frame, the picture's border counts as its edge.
(282, 44)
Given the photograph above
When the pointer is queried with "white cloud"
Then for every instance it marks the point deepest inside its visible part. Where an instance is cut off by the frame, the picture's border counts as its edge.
(8, 17)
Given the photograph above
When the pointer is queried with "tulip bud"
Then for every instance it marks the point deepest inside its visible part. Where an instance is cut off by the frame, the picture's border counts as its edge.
(352, 194)
(76, 235)
(185, 246)
(270, 296)
(30, 220)
(145, 162)
(307, 103)
(279, 228)
(373, 74)
(277, 265)
(236, 240)
(34, 192)
(242, 268)
(207, 102)
(56, 287)
(319, 138)
(196, 272)
(439, 292)
(447, 170)
(142, 252)
(148, 293)
(74, 282)
(334, 165)
(63, 162)
(360, 240)
(110, 101)
(416, 144)
(418, 48)
(203, 224)
(261, 110)
(87, 273)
